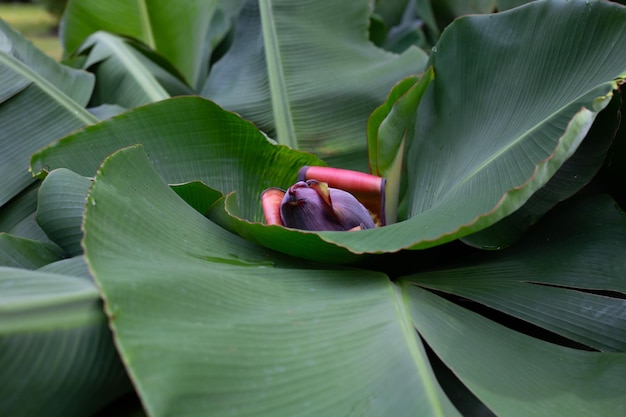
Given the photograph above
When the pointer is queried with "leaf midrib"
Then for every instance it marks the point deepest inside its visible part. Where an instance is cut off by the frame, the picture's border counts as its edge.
(48, 88)
(121, 50)
(283, 120)
(146, 24)
(400, 300)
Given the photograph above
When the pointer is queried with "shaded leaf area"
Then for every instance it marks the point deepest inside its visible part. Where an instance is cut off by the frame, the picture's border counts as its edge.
(197, 195)
(541, 378)
(236, 329)
(60, 208)
(105, 111)
(399, 24)
(510, 4)
(396, 26)
(438, 15)
(17, 217)
(563, 276)
(613, 174)
(187, 139)
(56, 323)
(127, 406)
(310, 72)
(180, 32)
(571, 177)
(55, 97)
(120, 62)
(75, 267)
(25, 253)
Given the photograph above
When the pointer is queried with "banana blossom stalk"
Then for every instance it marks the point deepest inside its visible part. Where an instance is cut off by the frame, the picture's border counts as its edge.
(327, 199)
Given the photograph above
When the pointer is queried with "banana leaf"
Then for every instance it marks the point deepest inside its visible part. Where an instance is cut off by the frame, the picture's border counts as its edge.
(55, 97)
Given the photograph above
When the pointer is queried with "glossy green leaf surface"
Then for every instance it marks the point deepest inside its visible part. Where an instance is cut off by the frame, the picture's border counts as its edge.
(310, 72)
(240, 332)
(54, 95)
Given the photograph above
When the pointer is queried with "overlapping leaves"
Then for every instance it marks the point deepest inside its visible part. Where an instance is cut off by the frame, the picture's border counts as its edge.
(238, 328)
(462, 140)
(257, 328)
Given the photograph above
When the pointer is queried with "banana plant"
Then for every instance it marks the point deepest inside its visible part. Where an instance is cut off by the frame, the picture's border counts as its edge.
(267, 213)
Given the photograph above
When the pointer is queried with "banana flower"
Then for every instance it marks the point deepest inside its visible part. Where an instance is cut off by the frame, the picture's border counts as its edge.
(323, 199)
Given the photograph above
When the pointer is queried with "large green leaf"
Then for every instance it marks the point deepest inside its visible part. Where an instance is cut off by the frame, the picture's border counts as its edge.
(309, 75)
(179, 31)
(188, 139)
(479, 154)
(458, 149)
(522, 136)
(235, 330)
(571, 177)
(557, 278)
(56, 353)
(243, 329)
(517, 375)
(474, 133)
(192, 139)
(41, 101)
